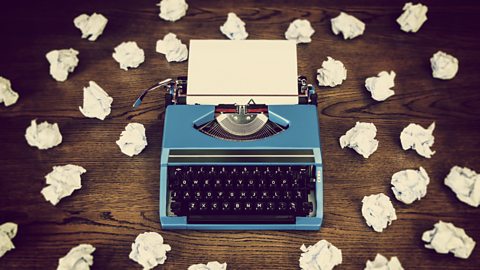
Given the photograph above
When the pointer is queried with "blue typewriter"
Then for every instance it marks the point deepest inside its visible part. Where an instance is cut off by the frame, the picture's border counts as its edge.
(250, 166)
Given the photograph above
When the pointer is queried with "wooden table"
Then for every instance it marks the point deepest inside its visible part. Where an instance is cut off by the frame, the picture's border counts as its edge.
(119, 197)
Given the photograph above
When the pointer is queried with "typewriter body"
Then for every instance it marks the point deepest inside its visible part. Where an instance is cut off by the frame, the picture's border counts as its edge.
(241, 166)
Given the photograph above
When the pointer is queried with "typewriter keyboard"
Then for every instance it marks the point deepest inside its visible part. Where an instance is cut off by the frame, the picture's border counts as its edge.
(242, 195)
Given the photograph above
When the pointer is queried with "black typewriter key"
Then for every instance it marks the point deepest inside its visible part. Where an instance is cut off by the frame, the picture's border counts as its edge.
(248, 206)
(284, 183)
(300, 195)
(251, 183)
(262, 183)
(192, 207)
(259, 206)
(272, 183)
(242, 195)
(207, 183)
(195, 183)
(226, 206)
(288, 195)
(265, 195)
(184, 183)
(209, 195)
(175, 195)
(270, 206)
(276, 195)
(231, 195)
(293, 207)
(217, 184)
(215, 206)
(220, 195)
(240, 183)
(198, 195)
(187, 195)
(237, 207)
(254, 195)
(282, 206)
(203, 206)
(229, 183)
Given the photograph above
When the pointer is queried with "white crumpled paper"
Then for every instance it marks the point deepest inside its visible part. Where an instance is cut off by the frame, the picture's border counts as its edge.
(7, 95)
(413, 17)
(419, 139)
(445, 238)
(209, 266)
(332, 73)
(62, 62)
(382, 263)
(62, 181)
(96, 102)
(444, 66)
(78, 258)
(234, 27)
(8, 231)
(44, 135)
(128, 55)
(172, 10)
(378, 211)
(300, 30)
(361, 138)
(380, 86)
(466, 185)
(410, 185)
(173, 48)
(91, 26)
(348, 25)
(321, 256)
(149, 250)
(133, 139)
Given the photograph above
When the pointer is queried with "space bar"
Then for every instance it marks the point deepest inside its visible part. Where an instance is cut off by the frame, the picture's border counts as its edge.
(244, 219)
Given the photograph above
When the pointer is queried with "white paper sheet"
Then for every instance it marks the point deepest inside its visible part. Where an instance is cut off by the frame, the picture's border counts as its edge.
(413, 17)
(378, 211)
(173, 48)
(44, 135)
(62, 62)
(300, 30)
(172, 10)
(78, 258)
(7, 95)
(234, 27)
(382, 263)
(419, 139)
(446, 237)
(132, 140)
(410, 185)
(235, 71)
(209, 266)
(380, 86)
(361, 138)
(96, 102)
(128, 55)
(91, 26)
(321, 256)
(444, 66)
(62, 181)
(348, 25)
(332, 73)
(8, 231)
(148, 250)
(466, 185)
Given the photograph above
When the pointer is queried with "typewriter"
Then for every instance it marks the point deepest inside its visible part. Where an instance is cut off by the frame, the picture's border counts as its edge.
(244, 166)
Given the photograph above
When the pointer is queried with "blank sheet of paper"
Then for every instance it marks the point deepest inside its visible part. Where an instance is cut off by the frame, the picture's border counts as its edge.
(233, 72)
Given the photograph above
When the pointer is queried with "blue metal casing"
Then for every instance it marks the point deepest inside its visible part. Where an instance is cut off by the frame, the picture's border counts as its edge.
(302, 133)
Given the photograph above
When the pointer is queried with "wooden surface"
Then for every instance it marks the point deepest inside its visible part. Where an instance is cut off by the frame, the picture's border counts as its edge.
(119, 197)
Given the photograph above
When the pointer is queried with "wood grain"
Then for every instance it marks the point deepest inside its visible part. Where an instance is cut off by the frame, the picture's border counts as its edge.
(119, 198)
